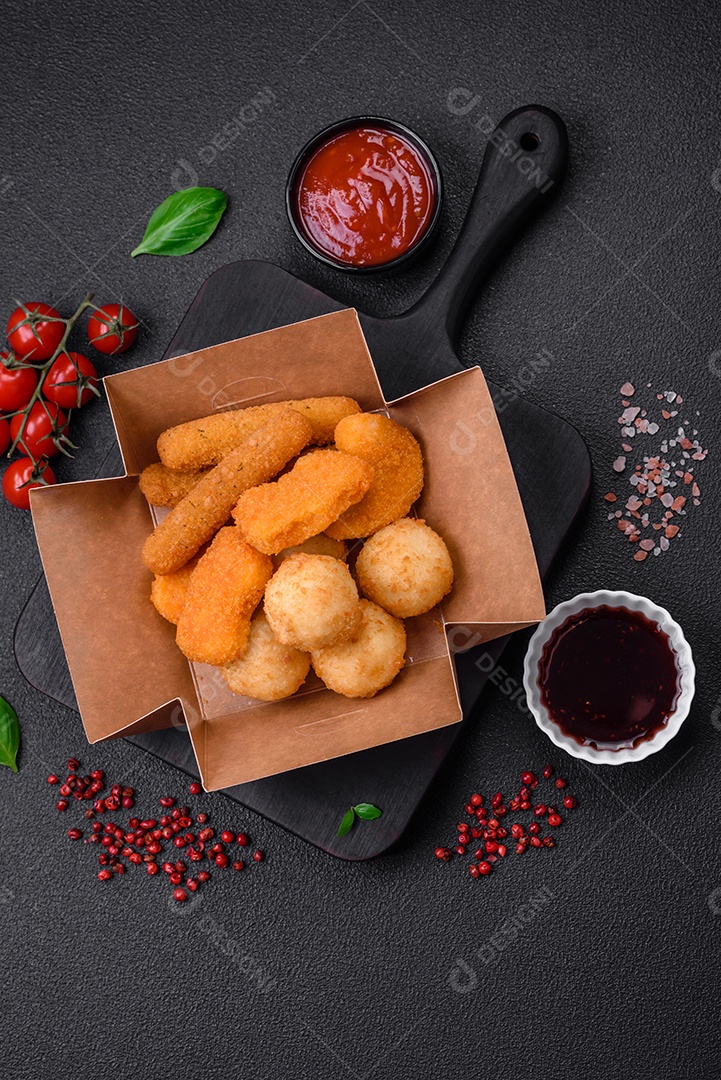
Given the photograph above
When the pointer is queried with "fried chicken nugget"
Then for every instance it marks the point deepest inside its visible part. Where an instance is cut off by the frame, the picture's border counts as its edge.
(268, 671)
(225, 589)
(359, 668)
(201, 443)
(201, 513)
(398, 463)
(406, 568)
(166, 487)
(315, 545)
(168, 591)
(312, 601)
(303, 502)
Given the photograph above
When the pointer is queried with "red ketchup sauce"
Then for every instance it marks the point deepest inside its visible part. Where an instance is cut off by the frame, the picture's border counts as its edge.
(366, 196)
(609, 678)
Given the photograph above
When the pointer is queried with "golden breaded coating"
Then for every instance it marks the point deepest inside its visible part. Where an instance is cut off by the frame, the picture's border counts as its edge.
(312, 601)
(166, 487)
(201, 513)
(225, 589)
(201, 443)
(268, 671)
(406, 568)
(359, 668)
(168, 591)
(315, 545)
(317, 490)
(398, 463)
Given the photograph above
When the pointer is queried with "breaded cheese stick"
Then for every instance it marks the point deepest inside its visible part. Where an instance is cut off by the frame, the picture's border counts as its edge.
(201, 513)
(201, 443)
(162, 486)
(303, 502)
(225, 588)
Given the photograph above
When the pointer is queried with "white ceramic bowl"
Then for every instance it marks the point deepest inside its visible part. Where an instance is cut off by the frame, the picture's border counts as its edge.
(684, 661)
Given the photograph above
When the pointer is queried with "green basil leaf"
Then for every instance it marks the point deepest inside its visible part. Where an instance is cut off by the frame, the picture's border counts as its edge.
(9, 735)
(347, 823)
(183, 222)
(367, 811)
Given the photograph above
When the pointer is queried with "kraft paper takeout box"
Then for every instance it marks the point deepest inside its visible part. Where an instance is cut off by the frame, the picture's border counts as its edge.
(128, 674)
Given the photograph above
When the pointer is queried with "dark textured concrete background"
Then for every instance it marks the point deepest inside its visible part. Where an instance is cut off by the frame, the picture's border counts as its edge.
(616, 975)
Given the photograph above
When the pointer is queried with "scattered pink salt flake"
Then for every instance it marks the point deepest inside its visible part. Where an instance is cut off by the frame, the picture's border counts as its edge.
(665, 414)
(679, 400)
(618, 513)
(685, 443)
(625, 403)
(652, 428)
(630, 414)
(687, 477)
(633, 503)
(697, 502)
(695, 490)
(639, 556)
(660, 397)
(642, 425)
(670, 396)
(656, 526)
(671, 531)
(667, 499)
(627, 447)
(700, 456)
(629, 432)
(678, 503)
(646, 545)
(663, 544)
(609, 496)
(619, 464)
(628, 389)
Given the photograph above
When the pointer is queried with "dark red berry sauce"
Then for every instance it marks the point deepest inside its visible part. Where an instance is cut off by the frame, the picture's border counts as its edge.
(609, 677)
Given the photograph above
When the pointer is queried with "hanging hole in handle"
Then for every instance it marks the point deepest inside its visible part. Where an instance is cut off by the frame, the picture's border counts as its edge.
(529, 141)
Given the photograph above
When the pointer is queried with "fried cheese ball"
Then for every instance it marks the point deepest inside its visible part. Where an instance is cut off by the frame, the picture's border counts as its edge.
(168, 591)
(406, 568)
(204, 509)
(312, 601)
(200, 443)
(369, 661)
(166, 487)
(225, 589)
(398, 467)
(316, 545)
(303, 502)
(268, 670)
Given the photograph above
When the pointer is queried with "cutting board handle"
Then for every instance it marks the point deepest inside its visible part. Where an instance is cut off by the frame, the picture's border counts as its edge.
(524, 162)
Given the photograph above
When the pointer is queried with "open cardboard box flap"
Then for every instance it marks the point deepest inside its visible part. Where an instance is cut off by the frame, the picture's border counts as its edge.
(128, 673)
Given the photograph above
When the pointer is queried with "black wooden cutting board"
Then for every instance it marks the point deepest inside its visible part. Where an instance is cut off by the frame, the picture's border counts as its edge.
(522, 167)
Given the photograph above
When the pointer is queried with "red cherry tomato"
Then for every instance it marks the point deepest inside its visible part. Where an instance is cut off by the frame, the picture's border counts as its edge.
(16, 385)
(35, 330)
(20, 476)
(5, 437)
(112, 328)
(70, 378)
(44, 421)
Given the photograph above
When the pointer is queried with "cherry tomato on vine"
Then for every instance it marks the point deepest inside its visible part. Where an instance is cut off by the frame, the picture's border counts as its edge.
(112, 328)
(43, 422)
(35, 330)
(5, 437)
(70, 378)
(20, 476)
(16, 385)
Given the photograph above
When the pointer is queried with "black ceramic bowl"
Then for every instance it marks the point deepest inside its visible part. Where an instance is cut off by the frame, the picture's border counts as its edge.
(296, 174)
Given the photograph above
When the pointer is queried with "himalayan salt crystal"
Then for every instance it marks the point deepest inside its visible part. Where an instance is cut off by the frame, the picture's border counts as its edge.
(619, 464)
(671, 531)
(630, 414)
(628, 389)
(639, 556)
(665, 414)
(652, 428)
(667, 499)
(609, 497)
(687, 477)
(626, 447)
(646, 545)
(695, 490)
(633, 503)
(678, 503)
